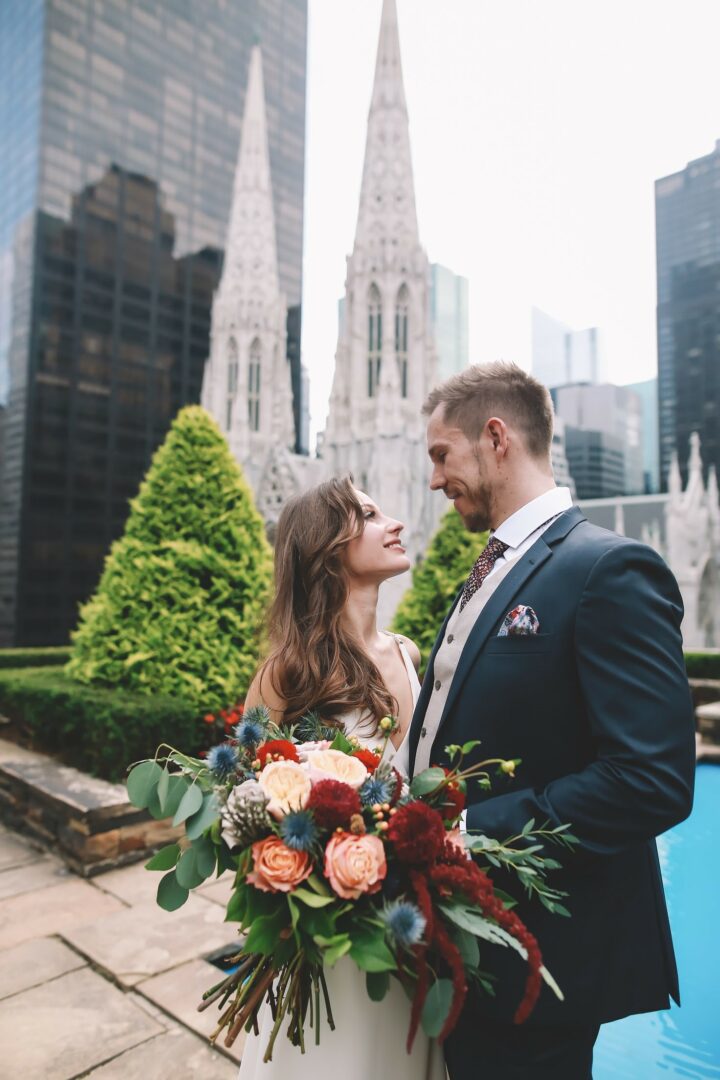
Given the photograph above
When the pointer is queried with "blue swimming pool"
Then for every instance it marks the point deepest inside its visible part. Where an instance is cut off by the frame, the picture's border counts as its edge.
(682, 1042)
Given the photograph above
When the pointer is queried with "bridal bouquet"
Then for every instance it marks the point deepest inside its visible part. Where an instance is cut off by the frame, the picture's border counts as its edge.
(334, 855)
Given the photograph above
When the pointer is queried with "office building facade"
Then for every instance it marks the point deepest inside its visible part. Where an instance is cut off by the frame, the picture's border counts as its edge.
(612, 411)
(687, 225)
(647, 391)
(562, 355)
(449, 320)
(119, 132)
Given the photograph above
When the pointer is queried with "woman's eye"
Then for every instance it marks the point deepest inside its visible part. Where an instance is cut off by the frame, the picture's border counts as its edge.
(369, 513)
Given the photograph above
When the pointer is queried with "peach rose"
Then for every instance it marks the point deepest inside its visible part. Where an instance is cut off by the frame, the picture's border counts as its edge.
(355, 864)
(334, 765)
(287, 786)
(276, 867)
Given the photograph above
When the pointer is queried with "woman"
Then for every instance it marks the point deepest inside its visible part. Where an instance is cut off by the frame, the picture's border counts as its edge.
(333, 550)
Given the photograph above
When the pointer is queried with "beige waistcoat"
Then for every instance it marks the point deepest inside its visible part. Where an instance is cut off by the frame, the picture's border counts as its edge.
(447, 659)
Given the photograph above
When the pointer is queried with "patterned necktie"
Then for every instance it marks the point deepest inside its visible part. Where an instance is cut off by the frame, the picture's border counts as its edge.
(485, 562)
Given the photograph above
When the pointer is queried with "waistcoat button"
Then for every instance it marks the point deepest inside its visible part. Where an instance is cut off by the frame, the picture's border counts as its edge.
(438, 684)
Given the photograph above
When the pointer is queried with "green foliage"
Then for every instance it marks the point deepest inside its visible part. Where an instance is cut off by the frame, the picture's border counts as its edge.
(93, 728)
(703, 665)
(179, 604)
(49, 656)
(436, 580)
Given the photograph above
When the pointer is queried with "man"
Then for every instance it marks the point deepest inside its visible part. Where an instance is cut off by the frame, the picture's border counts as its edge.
(563, 649)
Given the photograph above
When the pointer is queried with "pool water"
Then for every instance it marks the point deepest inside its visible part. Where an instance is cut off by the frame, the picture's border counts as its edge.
(681, 1042)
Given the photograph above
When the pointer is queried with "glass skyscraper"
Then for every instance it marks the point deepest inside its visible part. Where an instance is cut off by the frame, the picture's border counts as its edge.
(119, 130)
(449, 319)
(687, 223)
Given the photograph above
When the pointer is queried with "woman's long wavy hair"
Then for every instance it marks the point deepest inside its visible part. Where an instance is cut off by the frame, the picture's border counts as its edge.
(314, 662)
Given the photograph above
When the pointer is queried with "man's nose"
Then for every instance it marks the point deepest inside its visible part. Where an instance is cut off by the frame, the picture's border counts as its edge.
(437, 480)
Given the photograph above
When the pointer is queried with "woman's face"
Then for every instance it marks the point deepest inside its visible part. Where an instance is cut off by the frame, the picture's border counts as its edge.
(378, 552)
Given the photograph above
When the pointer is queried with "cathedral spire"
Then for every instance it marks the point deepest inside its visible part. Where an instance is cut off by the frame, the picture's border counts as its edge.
(250, 249)
(387, 216)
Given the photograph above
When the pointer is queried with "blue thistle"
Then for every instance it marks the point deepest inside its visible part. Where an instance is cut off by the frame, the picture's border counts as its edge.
(404, 923)
(377, 789)
(249, 732)
(222, 760)
(298, 830)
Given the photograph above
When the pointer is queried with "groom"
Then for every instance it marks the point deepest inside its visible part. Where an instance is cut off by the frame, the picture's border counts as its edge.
(563, 649)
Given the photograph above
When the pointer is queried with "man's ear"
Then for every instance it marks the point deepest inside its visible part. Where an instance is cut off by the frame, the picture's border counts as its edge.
(497, 433)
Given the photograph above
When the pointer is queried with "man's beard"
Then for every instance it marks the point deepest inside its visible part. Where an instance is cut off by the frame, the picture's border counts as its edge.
(479, 520)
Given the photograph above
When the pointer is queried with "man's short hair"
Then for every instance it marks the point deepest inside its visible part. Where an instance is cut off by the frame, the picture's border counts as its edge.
(497, 389)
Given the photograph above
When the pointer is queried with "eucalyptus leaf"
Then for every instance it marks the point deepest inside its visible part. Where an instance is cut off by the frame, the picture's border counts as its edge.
(427, 781)
(189, 804)
(467, 946)
(207, 813)
(142, 782)
(436, 1007)
(204, 856)
(177, 787)
(370, 952)
(171, 895)
(186, 870)
(163, 788)
(377, 984)
(165, 858)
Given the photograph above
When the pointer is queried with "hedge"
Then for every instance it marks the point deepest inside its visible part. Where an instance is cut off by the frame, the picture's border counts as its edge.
(179, 607)
(49, 656)
(703, 665)
(98, 730)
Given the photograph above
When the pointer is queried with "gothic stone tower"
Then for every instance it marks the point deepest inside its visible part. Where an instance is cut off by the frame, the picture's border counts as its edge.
(246, 385)
(386, 362)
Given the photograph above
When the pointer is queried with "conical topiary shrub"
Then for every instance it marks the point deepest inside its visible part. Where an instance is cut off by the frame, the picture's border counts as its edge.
(183, 590)
(448, 561)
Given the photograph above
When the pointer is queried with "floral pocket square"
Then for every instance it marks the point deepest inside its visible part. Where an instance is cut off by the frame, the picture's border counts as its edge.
(519, 622)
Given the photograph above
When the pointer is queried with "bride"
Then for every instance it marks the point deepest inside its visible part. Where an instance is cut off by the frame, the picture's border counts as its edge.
(334, 548)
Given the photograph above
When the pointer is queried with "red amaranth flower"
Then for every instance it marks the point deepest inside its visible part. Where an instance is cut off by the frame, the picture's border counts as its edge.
(470, 880)
(451, 954)
(333, 804)
(275, 749)
(451, 800)
(417, 832)
(425, 904)
(369, 759)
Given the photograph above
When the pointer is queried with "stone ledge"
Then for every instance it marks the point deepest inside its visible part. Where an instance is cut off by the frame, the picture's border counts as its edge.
(88, 822)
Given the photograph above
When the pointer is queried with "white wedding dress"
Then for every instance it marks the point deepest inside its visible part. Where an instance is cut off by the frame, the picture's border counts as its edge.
(369, 1039)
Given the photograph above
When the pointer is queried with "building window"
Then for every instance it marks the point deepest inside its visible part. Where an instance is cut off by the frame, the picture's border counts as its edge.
(401, 338)
(231, 382)
(254, 386)
(374, 339)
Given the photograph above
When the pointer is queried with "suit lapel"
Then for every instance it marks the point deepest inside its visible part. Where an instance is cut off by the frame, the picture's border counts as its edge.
(499, 602)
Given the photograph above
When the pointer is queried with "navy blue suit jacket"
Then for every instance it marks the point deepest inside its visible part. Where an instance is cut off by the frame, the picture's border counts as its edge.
(598, 708)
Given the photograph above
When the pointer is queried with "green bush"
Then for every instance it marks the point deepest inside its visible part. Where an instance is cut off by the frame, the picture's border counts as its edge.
(50, 656)
(436, 580)
(179, 604)
(703, 665)
(98, 730)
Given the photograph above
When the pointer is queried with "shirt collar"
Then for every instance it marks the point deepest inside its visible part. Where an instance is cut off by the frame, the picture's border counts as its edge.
(516, 529)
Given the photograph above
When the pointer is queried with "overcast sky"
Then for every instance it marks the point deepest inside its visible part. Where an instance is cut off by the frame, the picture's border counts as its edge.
(538, 128)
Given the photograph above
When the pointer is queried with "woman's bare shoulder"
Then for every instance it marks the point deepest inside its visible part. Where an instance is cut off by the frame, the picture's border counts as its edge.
(412, 649)
(263, 692)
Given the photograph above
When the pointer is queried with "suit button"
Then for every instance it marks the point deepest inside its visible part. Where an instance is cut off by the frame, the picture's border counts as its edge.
(438, 684)
(423, 733)
(450, 639)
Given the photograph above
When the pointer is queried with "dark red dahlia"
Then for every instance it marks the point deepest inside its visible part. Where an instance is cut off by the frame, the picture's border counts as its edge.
(369, 759)
(417, 833)
(333, 804)
(276, 749)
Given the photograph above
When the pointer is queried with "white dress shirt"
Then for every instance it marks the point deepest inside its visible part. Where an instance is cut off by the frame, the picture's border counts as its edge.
(522, 529)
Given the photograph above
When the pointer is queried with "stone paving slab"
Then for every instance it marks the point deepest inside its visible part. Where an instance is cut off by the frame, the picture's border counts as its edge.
(54, 910)
(64, 1028)
(219, 892)
(176, 1055)
(41, 874)
(35, 962)
(133, 884)
(138, 942)
(15, 852)
(71, 789)
(178, 992)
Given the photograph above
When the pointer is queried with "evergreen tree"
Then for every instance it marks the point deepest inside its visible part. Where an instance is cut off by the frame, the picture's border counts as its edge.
(436, 580)
(183, 591)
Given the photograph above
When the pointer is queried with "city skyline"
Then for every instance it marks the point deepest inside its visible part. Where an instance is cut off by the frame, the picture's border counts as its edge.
(535, 144)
